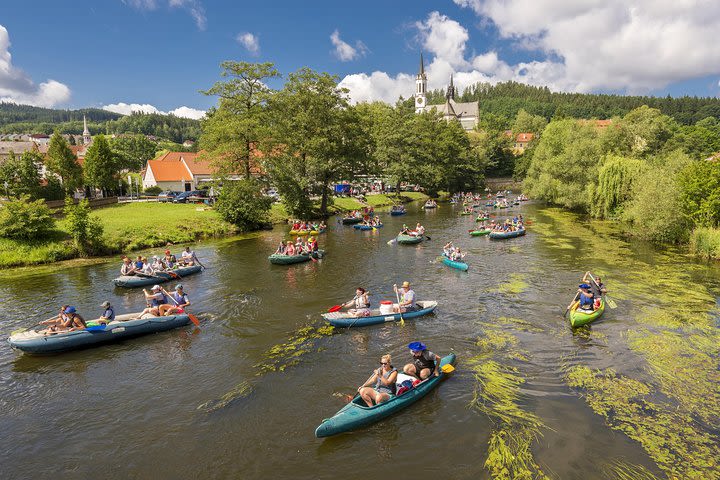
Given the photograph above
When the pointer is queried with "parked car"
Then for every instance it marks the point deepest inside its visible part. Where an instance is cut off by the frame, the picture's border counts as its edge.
(167, 196)
(199, 196)
(184, 197)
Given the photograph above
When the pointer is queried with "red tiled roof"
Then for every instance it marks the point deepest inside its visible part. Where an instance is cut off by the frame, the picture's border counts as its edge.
(169, 171)
(524, 137)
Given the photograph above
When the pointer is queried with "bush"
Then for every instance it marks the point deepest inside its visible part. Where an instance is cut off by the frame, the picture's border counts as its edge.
(85, 229)
(153, 190)
(25, 220)
(705, 242)
(242, 203)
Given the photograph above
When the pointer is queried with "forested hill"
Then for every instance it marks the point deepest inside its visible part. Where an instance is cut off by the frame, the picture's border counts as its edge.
(505, 99)
(26, 119)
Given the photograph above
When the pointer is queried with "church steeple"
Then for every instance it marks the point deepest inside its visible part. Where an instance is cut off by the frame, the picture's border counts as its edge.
(86, 133)
(420, 87)
(450, 95)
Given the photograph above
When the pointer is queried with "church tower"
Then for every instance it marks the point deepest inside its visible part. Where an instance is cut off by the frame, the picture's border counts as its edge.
(450, 95)
(86, 133)
(420, 88)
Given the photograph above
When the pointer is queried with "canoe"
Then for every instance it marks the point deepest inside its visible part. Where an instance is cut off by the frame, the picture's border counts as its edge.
(430, 206)
(159, 277)
(504, 235)
(453, 264)
(467, 213)
(122, 327)
(357, 414)
(479, 233)
(395, 213)
(408, 239)
(344, 319)
(482, 219)
(489, 204)
(351, 220)
(306, 232)
(366, 227)
(580, 317)
(280, 259)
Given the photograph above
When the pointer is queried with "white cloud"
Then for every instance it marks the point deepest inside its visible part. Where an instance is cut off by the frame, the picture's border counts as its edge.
(346, 52)
(17, 87)
(128, 108)
(249, 41)
(633, 46)
(193, 7)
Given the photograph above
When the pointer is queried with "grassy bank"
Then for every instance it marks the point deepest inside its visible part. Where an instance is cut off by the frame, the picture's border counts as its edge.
(705, 242)
(127, 227)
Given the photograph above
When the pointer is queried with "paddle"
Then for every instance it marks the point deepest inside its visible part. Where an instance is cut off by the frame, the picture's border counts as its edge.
(192, 317)
(397, 295)
(447, 368)
(611, 303)
(392, 242)
(335, 308)
(428, 238)
(571, 303)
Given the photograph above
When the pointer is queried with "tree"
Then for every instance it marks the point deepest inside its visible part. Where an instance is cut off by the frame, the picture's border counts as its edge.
(100, 165)
(21, 175)
(233, 131)
(616, 181)
(133, 151)
(71, 140)
(699, 184)
(242, 203)
(528, 123)
(62, 162)
(85, 229)
(25, 219)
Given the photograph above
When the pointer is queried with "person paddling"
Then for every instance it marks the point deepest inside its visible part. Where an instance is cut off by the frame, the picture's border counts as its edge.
(360, 303)
(407, 298)
(127, 268)
(72, 321)
(155, 298)
(425, 362)
(383, 383)
(585, 297)
(181, 301)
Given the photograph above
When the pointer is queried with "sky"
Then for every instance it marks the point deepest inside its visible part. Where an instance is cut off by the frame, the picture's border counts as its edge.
(157, 55)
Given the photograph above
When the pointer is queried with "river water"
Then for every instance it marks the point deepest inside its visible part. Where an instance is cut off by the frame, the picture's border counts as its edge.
(637, 393)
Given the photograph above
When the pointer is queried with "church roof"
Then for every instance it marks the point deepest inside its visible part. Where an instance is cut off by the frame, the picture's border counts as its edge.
(458, 109)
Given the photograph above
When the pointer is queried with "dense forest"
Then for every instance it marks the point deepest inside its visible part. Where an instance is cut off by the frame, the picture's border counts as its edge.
(506, 99)
(26, 119)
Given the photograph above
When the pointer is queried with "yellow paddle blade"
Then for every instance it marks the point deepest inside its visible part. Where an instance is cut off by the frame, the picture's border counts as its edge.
(611, 303)
(447, 368)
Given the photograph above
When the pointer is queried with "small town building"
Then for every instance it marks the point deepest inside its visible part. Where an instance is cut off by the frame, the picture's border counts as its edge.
(522, 140)
(17, 148)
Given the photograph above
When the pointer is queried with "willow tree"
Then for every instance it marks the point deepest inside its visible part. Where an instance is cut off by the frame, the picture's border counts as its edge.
(234, 130)
(615, 183)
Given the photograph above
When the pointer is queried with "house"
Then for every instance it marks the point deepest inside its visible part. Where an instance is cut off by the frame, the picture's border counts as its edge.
(188, 143)
(40, 138)
(18, 148)
(522, 140)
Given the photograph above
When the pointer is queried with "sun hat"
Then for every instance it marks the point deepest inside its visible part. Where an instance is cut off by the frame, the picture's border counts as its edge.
(167, 252)
(156, 287)
(105, 304)
(417, 346)
(584, 286)
(70, 310)
(406, 285)
(178, 286)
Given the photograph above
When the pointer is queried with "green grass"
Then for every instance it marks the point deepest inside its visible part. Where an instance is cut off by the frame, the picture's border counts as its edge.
(347, 203)
(127, 227)
(705, 242)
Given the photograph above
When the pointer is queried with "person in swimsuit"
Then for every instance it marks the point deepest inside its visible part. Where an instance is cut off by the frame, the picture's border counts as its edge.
(360, 302)
(424, 362)
(384, 383)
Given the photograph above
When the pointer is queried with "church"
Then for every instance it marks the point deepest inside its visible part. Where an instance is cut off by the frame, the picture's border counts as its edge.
(465, 112)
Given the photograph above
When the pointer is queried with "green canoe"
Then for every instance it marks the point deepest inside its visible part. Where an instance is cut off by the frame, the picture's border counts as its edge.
(579, 318)
(357, 414)
(408, 239)
(279, 259)
(478, 233)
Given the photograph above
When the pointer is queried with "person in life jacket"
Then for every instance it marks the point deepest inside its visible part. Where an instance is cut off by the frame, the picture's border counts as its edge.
(586, 297)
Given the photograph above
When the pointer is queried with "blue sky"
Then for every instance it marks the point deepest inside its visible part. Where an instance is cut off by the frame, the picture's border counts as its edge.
(160, 53)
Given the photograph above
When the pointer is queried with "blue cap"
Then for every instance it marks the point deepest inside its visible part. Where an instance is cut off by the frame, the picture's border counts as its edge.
(417, 346)
(70, 310)
(178, 286)
(584, 285)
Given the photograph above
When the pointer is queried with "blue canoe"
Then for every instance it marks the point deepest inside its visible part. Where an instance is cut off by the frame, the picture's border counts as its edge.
(459, 265)
(122, 327)
(357, 414)
(158, 277)
(395, 213)
(342, 319)
(504, 235)
(366, 227)
(351, 220)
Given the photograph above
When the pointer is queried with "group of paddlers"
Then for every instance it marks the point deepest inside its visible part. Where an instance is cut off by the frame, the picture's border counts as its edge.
(300, 247)
(158, 302)
(509, 225)
(590, 293)
(142, 267)
(418, 232)
(453, 253)
(359, 306)
(301, 226)
(372, 221)
(366, 212)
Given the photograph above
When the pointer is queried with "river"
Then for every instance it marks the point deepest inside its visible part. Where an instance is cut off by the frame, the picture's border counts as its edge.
(637, 393)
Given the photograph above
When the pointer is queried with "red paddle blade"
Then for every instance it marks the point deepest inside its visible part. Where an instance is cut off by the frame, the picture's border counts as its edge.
(194, 319)
(336, 308)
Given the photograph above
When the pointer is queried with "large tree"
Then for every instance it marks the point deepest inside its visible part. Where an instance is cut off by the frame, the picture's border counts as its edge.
(133, 151)
(101, 166)
(63, 162)
(234, 130)
(21, 175)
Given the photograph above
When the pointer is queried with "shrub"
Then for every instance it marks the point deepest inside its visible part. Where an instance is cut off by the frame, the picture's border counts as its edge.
(153, 190)
(85, 229)
(705, 242)
(25, 220)
(242, 203)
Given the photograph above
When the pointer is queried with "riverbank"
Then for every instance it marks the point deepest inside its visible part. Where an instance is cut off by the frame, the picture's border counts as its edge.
(135, 226)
